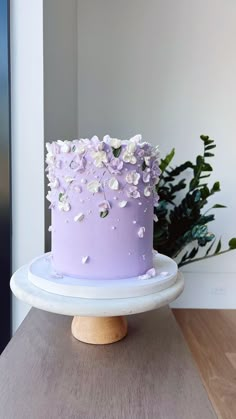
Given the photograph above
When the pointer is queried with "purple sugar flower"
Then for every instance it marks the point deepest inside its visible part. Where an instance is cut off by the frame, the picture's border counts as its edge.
(133, 192)
(155, 198)
(115, 166)
(155, 170)
(78, 163)
(146, 175)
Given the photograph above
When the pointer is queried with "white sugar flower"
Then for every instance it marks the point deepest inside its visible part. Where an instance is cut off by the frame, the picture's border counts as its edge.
(128, 156)
(136, 139)
(79, 217)
(80, 148)
(69, 179)
(64, 205)
(54, 183)
(113, 184)
(122, 204)
(141, 232)
(106, 139)
(133, 177)
(147, 191)
(149, 274)
(115, 143)
(147, 160)
(93, 186)
(50, 158)
(64, 146)
(100, 157)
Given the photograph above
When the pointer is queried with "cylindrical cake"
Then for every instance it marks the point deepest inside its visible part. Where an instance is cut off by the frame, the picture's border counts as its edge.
(102, 195)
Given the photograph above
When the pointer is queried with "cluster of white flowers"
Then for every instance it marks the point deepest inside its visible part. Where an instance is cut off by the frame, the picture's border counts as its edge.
(112, 155)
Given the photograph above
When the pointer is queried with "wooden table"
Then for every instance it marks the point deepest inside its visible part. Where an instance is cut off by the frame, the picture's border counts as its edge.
(47, 374)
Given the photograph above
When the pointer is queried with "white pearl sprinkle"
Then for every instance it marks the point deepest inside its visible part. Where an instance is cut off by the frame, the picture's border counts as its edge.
(82, 201)
(85, 259)
(77, 188)
(113, 227)
(83, 181)
(145, 210)
(140, 203)
(118, 219)
(79, 217)
(50, 228)
(134, 222)
(129, 253)
(115, 198)
(90, 212)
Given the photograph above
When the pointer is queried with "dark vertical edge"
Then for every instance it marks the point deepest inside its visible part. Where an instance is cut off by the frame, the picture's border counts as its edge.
(5, 176)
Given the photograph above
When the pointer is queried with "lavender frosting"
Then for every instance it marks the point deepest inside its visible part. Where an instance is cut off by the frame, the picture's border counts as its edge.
(102, 194)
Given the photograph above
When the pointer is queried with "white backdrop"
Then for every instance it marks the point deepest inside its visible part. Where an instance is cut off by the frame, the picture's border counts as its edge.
(163, 69)
(166, 69)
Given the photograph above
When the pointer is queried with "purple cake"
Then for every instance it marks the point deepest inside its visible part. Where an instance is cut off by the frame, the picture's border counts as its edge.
(102, 195)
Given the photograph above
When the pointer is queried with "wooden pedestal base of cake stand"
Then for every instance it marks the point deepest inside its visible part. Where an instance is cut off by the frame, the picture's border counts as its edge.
(99, 330)
(97, 309)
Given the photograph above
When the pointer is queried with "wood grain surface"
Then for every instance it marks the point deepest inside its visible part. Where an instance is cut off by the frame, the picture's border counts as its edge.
(211, 335)
(45, 373)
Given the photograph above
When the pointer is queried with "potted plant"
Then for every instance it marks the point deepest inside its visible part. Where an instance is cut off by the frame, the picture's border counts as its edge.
(182, 219)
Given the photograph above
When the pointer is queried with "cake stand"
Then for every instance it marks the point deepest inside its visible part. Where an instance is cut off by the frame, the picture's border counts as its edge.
(98, 307)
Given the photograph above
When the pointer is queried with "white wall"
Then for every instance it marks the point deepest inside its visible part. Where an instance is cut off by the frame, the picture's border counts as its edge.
(27, 138)
(166, 69)
(60, 76)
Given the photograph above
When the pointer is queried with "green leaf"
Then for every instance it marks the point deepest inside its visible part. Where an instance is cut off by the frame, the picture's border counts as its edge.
(210, 247)
(206, 139)
(208, 154)
(210, 147)
(60, 196)
(179, 169)
(218, 247)
(193, 253)
(215, 187)
(116, 151)
(166, 161)
(185, 256)
(219, 206)
(103, 214)
(206, 167)
(204, 176)
(232, 243)
(193, 184)
(144, 165)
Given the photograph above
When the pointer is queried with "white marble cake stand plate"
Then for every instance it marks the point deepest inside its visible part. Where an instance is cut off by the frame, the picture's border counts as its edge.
(96, 321)
(42, 275)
